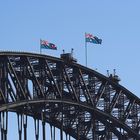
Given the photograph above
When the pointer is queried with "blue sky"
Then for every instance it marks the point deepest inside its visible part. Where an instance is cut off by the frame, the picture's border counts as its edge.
(64, 23)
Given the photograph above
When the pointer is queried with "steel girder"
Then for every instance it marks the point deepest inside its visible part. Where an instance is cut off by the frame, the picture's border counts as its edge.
(79, 101)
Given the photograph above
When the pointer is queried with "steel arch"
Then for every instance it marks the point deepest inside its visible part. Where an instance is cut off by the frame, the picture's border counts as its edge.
(81, 101)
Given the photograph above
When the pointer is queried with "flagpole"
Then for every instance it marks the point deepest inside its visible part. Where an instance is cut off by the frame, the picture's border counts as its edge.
(85, 49)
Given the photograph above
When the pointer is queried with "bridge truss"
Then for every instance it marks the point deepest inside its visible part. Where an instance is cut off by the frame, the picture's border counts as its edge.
(80, 102)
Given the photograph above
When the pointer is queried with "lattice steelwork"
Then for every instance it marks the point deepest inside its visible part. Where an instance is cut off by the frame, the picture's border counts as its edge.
(81, 102)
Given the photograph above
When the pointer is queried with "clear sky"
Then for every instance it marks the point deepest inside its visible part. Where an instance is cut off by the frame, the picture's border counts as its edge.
(117, 22)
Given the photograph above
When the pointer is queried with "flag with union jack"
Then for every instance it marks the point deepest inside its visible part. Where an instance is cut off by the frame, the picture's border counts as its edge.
(92, 39)
(46, 45)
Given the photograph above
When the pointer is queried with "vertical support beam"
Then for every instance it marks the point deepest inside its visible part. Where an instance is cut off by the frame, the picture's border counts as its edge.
(52, 129)
(66, 136)
(93, 126)
(61, 130)
(25, 126)
(4, 125)
(54, 133)
(1, 126)
(19, 117)
(36, 123)
(61, 133)
(43, 126)
(3, 81)
(51, 132)
(77, 123)
(69, 137)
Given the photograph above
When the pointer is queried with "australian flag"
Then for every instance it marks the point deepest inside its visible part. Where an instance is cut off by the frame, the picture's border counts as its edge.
(92, 39)
(46, 45)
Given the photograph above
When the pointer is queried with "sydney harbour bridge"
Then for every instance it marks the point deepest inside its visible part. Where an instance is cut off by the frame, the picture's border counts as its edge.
(81, 103)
